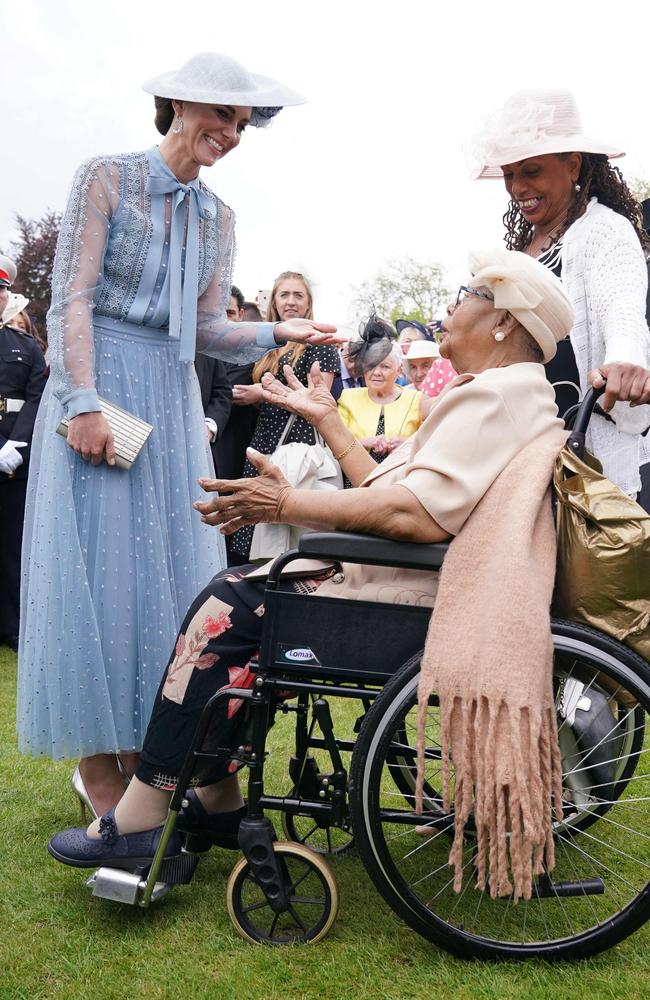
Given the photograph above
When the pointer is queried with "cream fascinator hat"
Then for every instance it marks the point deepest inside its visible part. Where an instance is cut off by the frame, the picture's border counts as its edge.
(528, 290)
(532, 123)
(213, 78)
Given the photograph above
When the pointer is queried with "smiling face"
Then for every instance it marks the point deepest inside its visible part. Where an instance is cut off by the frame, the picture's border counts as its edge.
(210, 131)
(543, 187)
(291, 299)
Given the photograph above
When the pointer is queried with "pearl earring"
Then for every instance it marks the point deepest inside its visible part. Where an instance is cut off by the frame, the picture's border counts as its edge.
(499, 335)
(177, 127)
(577, 187)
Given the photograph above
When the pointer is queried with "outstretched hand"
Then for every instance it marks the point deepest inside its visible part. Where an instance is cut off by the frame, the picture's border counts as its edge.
(307, 331)
(313, 401)
(245, 501)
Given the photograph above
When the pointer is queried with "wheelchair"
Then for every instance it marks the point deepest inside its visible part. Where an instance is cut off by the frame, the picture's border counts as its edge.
(318, 649)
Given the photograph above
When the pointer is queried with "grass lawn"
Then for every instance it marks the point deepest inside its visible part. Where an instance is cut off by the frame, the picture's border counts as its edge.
(59, 942)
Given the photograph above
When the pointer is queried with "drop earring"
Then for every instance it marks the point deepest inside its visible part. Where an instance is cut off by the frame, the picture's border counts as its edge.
(177, 127)
(499, 335)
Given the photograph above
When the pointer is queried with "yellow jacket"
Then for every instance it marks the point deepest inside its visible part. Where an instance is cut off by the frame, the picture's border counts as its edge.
(359, 413)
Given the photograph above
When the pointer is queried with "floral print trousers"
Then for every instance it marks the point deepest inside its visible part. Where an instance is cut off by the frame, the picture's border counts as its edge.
(221, 632)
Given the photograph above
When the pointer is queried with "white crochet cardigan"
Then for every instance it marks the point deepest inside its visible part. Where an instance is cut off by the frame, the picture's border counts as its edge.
(605, 272)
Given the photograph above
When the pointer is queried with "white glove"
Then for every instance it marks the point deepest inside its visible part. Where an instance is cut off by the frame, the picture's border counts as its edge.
(10, 457)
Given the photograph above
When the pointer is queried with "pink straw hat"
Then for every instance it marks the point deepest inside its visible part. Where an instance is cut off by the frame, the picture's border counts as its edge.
(532, 123)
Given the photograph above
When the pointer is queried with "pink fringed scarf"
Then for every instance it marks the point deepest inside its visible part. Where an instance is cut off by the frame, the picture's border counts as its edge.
(488, 656)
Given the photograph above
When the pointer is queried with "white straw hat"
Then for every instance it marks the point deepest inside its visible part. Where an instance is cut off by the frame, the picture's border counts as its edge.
(528, 290)
(214, 78)
(419, 349)
(15, 304)
(532, 123)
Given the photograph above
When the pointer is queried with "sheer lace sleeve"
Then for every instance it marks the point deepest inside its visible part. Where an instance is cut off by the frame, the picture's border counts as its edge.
(215, 334)
(78, 267)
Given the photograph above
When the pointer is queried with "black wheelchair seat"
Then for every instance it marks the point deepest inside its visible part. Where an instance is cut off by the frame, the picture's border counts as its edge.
(354, 641)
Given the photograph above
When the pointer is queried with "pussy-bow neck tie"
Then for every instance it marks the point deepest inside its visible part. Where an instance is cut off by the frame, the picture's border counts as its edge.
(183, 281)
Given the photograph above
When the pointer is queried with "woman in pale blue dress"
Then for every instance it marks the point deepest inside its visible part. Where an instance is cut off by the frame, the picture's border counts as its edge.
(112, 559)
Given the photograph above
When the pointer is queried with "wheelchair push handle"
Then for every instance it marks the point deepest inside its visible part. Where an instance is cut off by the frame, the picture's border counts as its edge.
(578, 419)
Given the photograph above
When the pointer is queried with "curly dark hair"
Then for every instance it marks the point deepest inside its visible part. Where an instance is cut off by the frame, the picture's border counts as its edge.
(597, 178)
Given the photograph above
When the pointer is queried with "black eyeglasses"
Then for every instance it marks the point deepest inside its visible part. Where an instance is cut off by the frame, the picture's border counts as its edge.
(465, 290)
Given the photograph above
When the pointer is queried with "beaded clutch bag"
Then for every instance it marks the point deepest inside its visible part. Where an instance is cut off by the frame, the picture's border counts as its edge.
(129, 432)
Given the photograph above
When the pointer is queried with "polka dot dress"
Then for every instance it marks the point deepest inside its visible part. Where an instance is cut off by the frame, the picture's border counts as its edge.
(271, 423)
(440, 374)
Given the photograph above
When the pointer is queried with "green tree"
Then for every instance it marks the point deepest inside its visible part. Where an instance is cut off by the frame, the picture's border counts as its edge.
(404, 288)
(33, 253)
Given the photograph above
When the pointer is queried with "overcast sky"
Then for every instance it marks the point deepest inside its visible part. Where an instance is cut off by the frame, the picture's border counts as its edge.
(372, 167)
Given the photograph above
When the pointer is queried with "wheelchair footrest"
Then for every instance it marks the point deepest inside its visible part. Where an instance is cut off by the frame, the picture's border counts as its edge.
(123, 886)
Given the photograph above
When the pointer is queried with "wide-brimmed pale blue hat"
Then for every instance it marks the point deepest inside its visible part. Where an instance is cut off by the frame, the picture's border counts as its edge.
(214, 78)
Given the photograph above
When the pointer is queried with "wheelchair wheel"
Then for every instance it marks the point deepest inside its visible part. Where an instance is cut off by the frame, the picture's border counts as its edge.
(318, 837)
(313, 900)
(599, 892)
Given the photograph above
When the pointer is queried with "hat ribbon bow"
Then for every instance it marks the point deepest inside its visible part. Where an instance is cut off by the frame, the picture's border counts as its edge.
(183, 256)
(514, 294)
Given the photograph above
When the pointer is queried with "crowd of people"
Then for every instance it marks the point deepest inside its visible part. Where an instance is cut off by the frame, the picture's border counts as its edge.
(423, 417)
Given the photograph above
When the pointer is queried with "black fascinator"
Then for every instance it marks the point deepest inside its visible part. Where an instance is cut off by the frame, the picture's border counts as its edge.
(376, 339)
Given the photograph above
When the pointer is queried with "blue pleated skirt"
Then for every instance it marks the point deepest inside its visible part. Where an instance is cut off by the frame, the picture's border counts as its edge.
(111, 559)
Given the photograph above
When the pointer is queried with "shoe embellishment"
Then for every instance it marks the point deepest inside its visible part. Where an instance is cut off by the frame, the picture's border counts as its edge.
(108, 828)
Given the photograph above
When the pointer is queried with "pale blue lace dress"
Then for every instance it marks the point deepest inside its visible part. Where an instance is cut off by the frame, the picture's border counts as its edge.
(113, 559)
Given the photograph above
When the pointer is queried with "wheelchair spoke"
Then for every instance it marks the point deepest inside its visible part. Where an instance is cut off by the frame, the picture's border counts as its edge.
(608, 846)
(612, 760)
(299, 881)
(584, 756)
(621, 826)
(451, 881)
(297, 919)
(255, 906)
(596, 861)
(576, 876)
(426, 841)
(409, 830)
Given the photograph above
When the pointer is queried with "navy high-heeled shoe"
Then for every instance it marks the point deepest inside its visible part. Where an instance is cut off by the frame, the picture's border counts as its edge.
(114, 850)
(220, 829)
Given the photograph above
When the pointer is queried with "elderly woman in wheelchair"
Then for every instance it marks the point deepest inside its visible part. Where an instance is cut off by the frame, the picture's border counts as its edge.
(424, 492)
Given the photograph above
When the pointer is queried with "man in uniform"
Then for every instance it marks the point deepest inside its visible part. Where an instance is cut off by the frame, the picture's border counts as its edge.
(22, 379)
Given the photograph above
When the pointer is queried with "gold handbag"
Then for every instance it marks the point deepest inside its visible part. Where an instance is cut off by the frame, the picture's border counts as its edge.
(603, 536)
(129, 432)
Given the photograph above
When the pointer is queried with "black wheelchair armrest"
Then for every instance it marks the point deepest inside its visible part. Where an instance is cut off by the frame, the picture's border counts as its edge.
(370, 550)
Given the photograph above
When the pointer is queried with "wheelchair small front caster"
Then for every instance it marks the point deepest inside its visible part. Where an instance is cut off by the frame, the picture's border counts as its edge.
(312, 899)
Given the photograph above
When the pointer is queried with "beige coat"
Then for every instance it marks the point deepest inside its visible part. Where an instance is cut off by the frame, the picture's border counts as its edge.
(475, 427)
